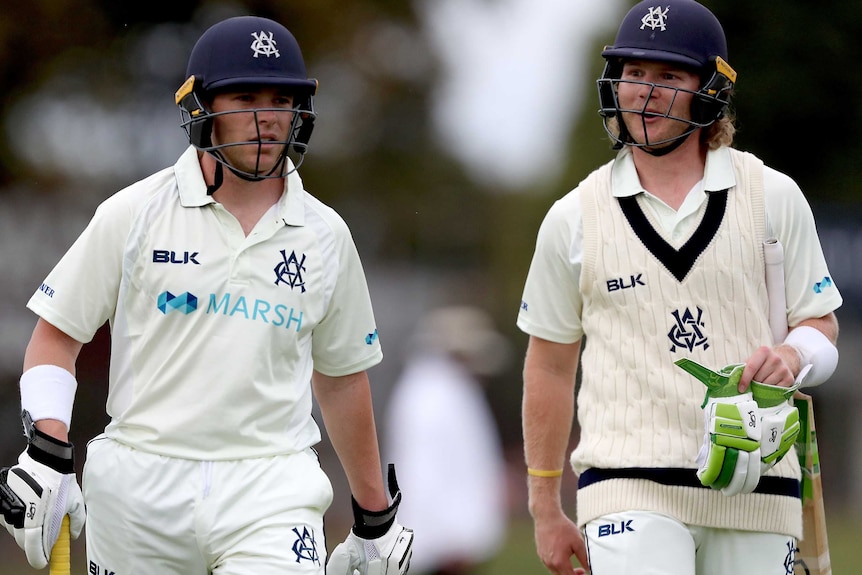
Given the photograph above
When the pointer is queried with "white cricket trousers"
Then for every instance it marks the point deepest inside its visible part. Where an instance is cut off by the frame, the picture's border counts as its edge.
(654, 544)
(150, 514)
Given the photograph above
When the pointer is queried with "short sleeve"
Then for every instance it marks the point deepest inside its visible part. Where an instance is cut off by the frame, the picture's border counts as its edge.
(346, 339)
(80, 293)
(551, 303)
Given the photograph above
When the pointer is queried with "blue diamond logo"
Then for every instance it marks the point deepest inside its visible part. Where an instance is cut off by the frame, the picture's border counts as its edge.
(185, 302)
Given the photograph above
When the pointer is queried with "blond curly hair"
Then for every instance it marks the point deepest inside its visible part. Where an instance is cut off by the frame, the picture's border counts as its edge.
(719, 133)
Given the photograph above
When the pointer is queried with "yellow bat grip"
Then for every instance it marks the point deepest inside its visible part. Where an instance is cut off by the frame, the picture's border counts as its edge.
(61, 554)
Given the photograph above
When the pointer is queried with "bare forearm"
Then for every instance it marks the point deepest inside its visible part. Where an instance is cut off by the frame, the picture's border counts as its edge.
(547, 419)
(346, 406)
(548, 412)
(50, 346)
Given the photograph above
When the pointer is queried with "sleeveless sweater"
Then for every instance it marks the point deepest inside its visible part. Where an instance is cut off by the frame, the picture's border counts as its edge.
(647, 303)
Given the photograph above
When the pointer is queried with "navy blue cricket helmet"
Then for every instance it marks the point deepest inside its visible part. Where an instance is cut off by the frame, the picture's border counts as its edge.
(240, 52)
(680, 32)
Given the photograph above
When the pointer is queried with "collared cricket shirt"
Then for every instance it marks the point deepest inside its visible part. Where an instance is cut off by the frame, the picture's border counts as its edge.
(214, 333)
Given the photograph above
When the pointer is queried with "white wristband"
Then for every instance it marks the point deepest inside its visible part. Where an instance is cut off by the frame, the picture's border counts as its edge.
(48, 392)
(815, 350)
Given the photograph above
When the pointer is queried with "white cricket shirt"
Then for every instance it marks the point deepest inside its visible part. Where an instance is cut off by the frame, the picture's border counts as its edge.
(214, 333)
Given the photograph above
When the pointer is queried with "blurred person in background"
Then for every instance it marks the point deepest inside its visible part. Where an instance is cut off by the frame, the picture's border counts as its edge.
(440, 429)
(655, 261)
(233, 296)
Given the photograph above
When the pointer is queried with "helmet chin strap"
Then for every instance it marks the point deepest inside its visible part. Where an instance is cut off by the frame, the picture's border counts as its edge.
(664, 150)
(625, 139)
(218, 177)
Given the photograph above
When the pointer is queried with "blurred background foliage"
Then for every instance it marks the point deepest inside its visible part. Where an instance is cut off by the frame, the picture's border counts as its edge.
(87, 108)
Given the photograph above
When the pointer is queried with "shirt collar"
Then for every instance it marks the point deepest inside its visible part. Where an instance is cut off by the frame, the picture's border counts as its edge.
(718, 174)
(291, 206)
(190, 180)
(193, 189)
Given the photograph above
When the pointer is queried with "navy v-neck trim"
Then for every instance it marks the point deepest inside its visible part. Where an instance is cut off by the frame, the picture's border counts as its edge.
(678, 262)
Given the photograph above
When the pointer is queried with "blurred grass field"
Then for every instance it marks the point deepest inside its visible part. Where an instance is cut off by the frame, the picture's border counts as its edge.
(517, 558)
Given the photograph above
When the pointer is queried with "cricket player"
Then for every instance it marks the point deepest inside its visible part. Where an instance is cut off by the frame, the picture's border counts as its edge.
(232, 296)
(656, 258)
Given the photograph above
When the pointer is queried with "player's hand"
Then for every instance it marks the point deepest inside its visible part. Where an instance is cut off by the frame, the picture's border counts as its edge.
(386, 555)
(377, 544)
(779, 421)
(769, 365)
(557, 539)
(36, 493)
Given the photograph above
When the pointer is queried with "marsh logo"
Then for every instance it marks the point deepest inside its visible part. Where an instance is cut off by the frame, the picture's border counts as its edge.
(823, 284)
(371, 337)
(276, 315)
(185, 302)
(228, 305)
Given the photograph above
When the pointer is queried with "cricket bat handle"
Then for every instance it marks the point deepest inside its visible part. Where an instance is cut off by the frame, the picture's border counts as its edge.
(61, 554)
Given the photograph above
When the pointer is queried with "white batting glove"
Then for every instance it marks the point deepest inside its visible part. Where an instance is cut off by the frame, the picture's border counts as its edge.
(37, 493)
(386, 555)
(377, 544)
(779, 422)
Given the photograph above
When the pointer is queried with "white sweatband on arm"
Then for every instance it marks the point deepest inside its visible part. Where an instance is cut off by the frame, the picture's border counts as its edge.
(815, 350)
(48, 392)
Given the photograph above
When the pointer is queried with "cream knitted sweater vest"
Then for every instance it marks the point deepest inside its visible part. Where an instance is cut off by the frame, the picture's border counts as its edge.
(646, 304)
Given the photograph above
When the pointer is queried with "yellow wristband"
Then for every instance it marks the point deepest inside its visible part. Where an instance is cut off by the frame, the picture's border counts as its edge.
(544, 472)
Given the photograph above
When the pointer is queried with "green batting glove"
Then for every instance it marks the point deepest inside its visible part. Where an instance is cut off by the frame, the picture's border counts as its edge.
(779, 422)
(729, 458)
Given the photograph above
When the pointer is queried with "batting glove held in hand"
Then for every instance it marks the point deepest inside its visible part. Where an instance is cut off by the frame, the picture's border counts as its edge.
(37, 493)
(729, 458)
(779, 422)
(377, 544)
